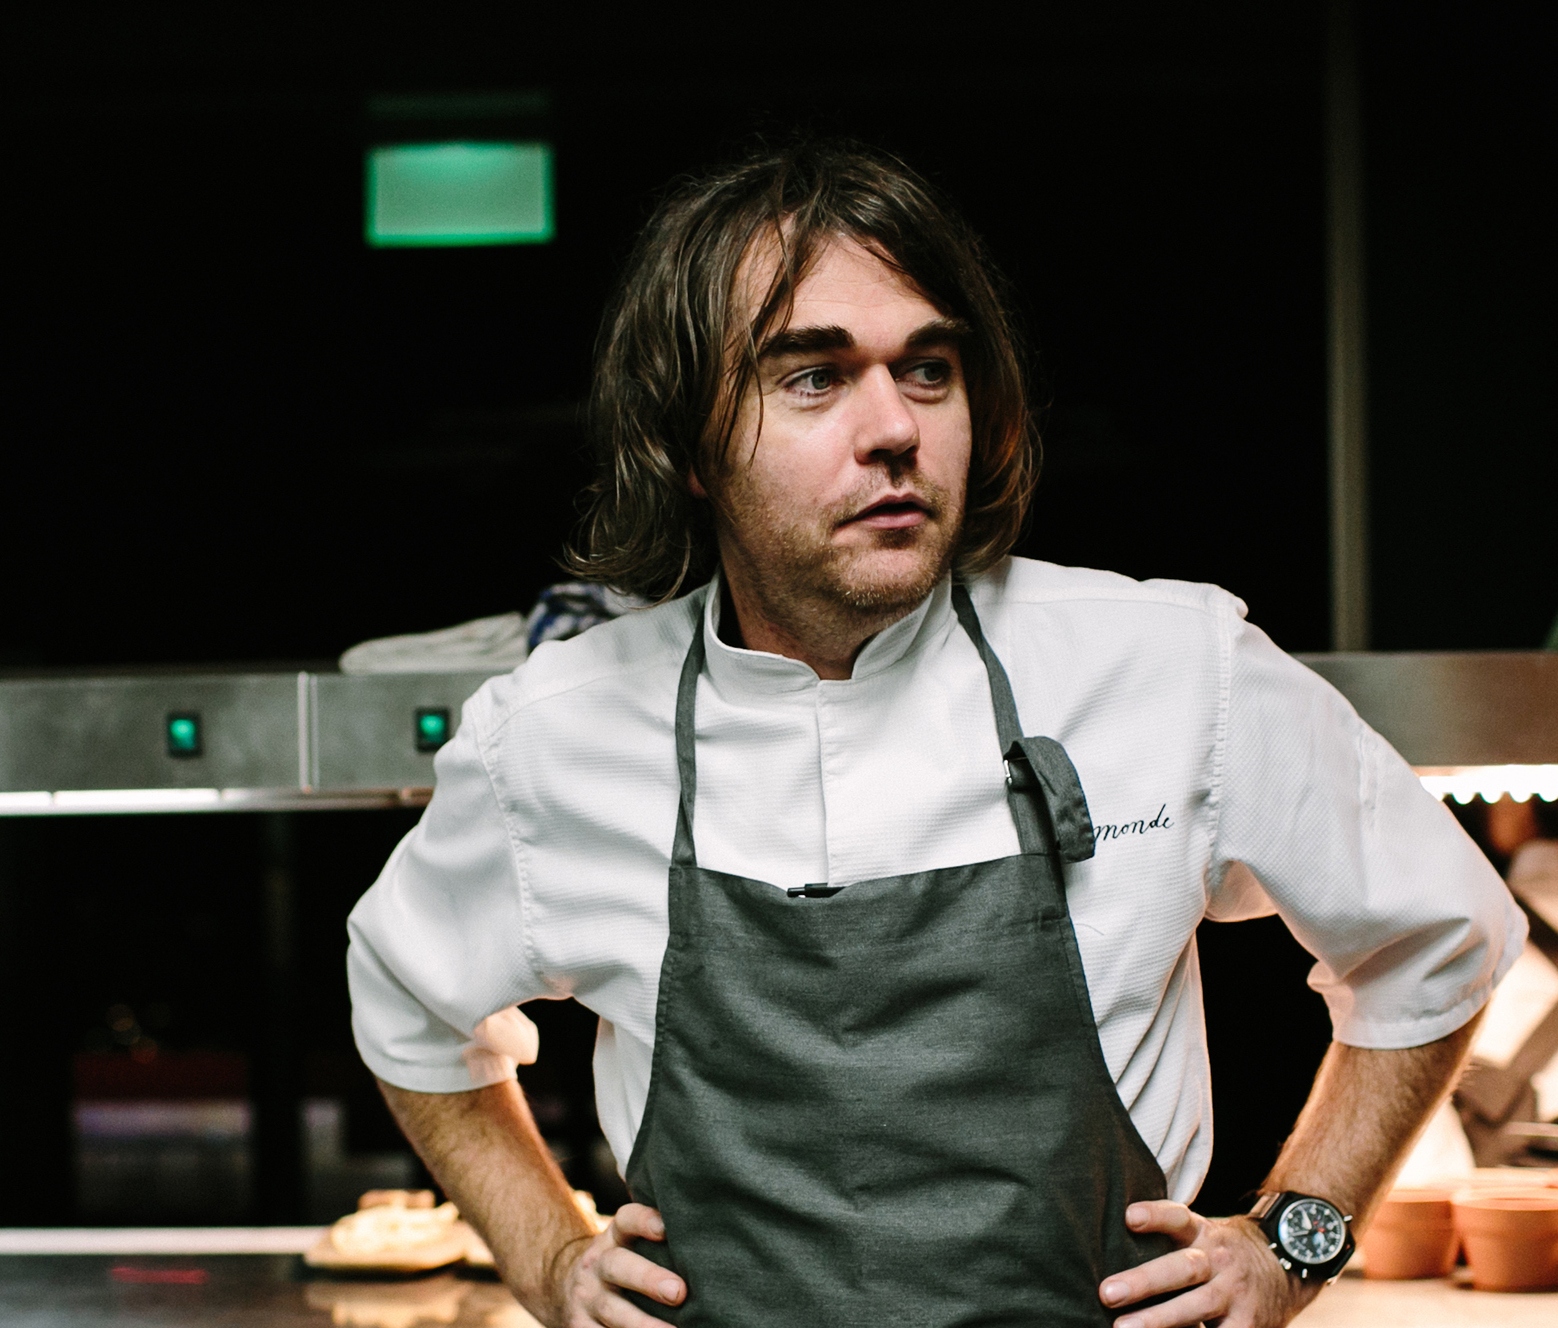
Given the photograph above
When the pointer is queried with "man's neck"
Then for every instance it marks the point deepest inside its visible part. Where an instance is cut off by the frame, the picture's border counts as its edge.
(827, 640)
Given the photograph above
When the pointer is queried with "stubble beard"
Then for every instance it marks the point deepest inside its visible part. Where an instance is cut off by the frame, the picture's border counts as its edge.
(851, 577)
(850, 585)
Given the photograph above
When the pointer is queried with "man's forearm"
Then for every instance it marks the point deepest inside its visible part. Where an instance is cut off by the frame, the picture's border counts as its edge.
(1361, 1118)
(1365, 1110)
(485, 1150)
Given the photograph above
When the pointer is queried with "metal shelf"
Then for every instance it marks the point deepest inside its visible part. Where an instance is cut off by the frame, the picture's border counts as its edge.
(1446, 710)
(321, 741)
(267, 741)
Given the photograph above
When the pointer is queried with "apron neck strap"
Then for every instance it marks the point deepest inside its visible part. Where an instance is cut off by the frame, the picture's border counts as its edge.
(682, 851)
(1021, 788)
(1007, 726)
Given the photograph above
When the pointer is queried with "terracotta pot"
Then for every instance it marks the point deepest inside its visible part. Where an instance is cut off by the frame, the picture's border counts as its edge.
(1412, 1235)
(1511, 1237)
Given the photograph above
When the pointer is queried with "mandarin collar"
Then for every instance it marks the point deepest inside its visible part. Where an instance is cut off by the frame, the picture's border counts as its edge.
(758, 672)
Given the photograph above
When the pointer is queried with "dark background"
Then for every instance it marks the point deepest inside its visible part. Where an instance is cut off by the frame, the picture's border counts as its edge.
(235, 433)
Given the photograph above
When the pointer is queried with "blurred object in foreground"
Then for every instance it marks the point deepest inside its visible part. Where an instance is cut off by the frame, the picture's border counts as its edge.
(499, 643)
(393, 1231)
(401, 1231)
(391, 1304)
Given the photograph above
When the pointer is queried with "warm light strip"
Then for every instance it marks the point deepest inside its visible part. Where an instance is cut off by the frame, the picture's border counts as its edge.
(158, 1240)
(1492, 782)
(150, 800)
(19, 804)
(86, 802)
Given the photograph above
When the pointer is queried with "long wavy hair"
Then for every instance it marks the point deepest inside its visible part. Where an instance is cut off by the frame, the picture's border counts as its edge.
(677, 352)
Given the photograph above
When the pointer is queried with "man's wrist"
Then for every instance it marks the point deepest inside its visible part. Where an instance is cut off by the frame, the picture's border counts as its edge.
(1310, 1237)
(556, 1273)
(1284, 1295)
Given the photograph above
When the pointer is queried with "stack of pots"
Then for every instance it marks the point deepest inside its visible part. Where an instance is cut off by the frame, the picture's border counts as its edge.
(1509, 1235)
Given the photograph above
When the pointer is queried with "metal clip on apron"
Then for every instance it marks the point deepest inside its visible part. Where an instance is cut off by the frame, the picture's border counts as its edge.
(888, 1105)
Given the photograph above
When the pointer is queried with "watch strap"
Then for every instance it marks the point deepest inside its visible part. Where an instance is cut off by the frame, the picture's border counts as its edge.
(1264, 1203)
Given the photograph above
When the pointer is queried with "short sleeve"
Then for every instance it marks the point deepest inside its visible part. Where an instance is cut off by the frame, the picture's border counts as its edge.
(437, 943)
(1323, 822)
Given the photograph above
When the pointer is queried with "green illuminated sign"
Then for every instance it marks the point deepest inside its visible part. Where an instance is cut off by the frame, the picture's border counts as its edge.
(459, 194)
(183, 735)
(432, 728)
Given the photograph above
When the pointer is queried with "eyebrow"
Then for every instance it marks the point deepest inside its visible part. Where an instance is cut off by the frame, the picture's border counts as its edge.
(809, 340)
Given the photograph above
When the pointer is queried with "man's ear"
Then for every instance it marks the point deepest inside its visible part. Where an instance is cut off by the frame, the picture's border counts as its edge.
(694, 484)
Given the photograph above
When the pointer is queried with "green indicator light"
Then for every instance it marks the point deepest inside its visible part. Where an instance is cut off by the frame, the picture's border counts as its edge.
(459, 194)
(432, 728)
(183, 734)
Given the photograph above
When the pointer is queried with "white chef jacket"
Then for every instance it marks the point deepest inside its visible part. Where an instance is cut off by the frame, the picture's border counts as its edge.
(1225, 780)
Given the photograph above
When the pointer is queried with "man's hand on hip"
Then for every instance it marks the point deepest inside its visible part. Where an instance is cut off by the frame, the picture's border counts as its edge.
(485, 1150)
(1225, 1266)
(1366, 1107)
(607, 1266)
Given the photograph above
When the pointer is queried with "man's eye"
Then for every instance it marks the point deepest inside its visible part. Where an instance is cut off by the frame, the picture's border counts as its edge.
(814, 380)
(933, 373)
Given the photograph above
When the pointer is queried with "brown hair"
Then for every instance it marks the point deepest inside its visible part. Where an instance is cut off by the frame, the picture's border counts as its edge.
(675, 357)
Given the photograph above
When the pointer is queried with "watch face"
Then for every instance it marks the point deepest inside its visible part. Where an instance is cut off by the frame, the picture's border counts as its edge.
(1311, 1231)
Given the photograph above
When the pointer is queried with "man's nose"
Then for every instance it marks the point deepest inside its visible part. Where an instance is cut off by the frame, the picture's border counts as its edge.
(887, 428)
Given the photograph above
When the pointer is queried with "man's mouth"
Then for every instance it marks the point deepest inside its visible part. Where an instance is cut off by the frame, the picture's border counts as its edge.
(892, 512)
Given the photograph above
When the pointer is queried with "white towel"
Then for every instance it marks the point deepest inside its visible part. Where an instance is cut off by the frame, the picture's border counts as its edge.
(496, 644)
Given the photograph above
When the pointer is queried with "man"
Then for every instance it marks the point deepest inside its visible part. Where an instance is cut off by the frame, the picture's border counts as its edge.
(900, 1012)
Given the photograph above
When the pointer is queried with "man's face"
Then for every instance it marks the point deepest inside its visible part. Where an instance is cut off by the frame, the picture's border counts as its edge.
(844, 485)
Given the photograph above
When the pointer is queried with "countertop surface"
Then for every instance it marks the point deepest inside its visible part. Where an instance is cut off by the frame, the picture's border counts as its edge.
(277, 1291)
(237, 1291)
(1355, 1302)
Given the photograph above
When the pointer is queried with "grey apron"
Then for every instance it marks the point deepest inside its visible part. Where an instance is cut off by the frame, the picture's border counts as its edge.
(886, 1104)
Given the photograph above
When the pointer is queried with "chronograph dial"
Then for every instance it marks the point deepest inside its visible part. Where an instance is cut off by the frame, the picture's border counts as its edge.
(1311, 1231)
(1309, 1236)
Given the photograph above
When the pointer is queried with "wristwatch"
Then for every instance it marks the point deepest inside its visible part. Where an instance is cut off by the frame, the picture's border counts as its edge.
(1309, 1236)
